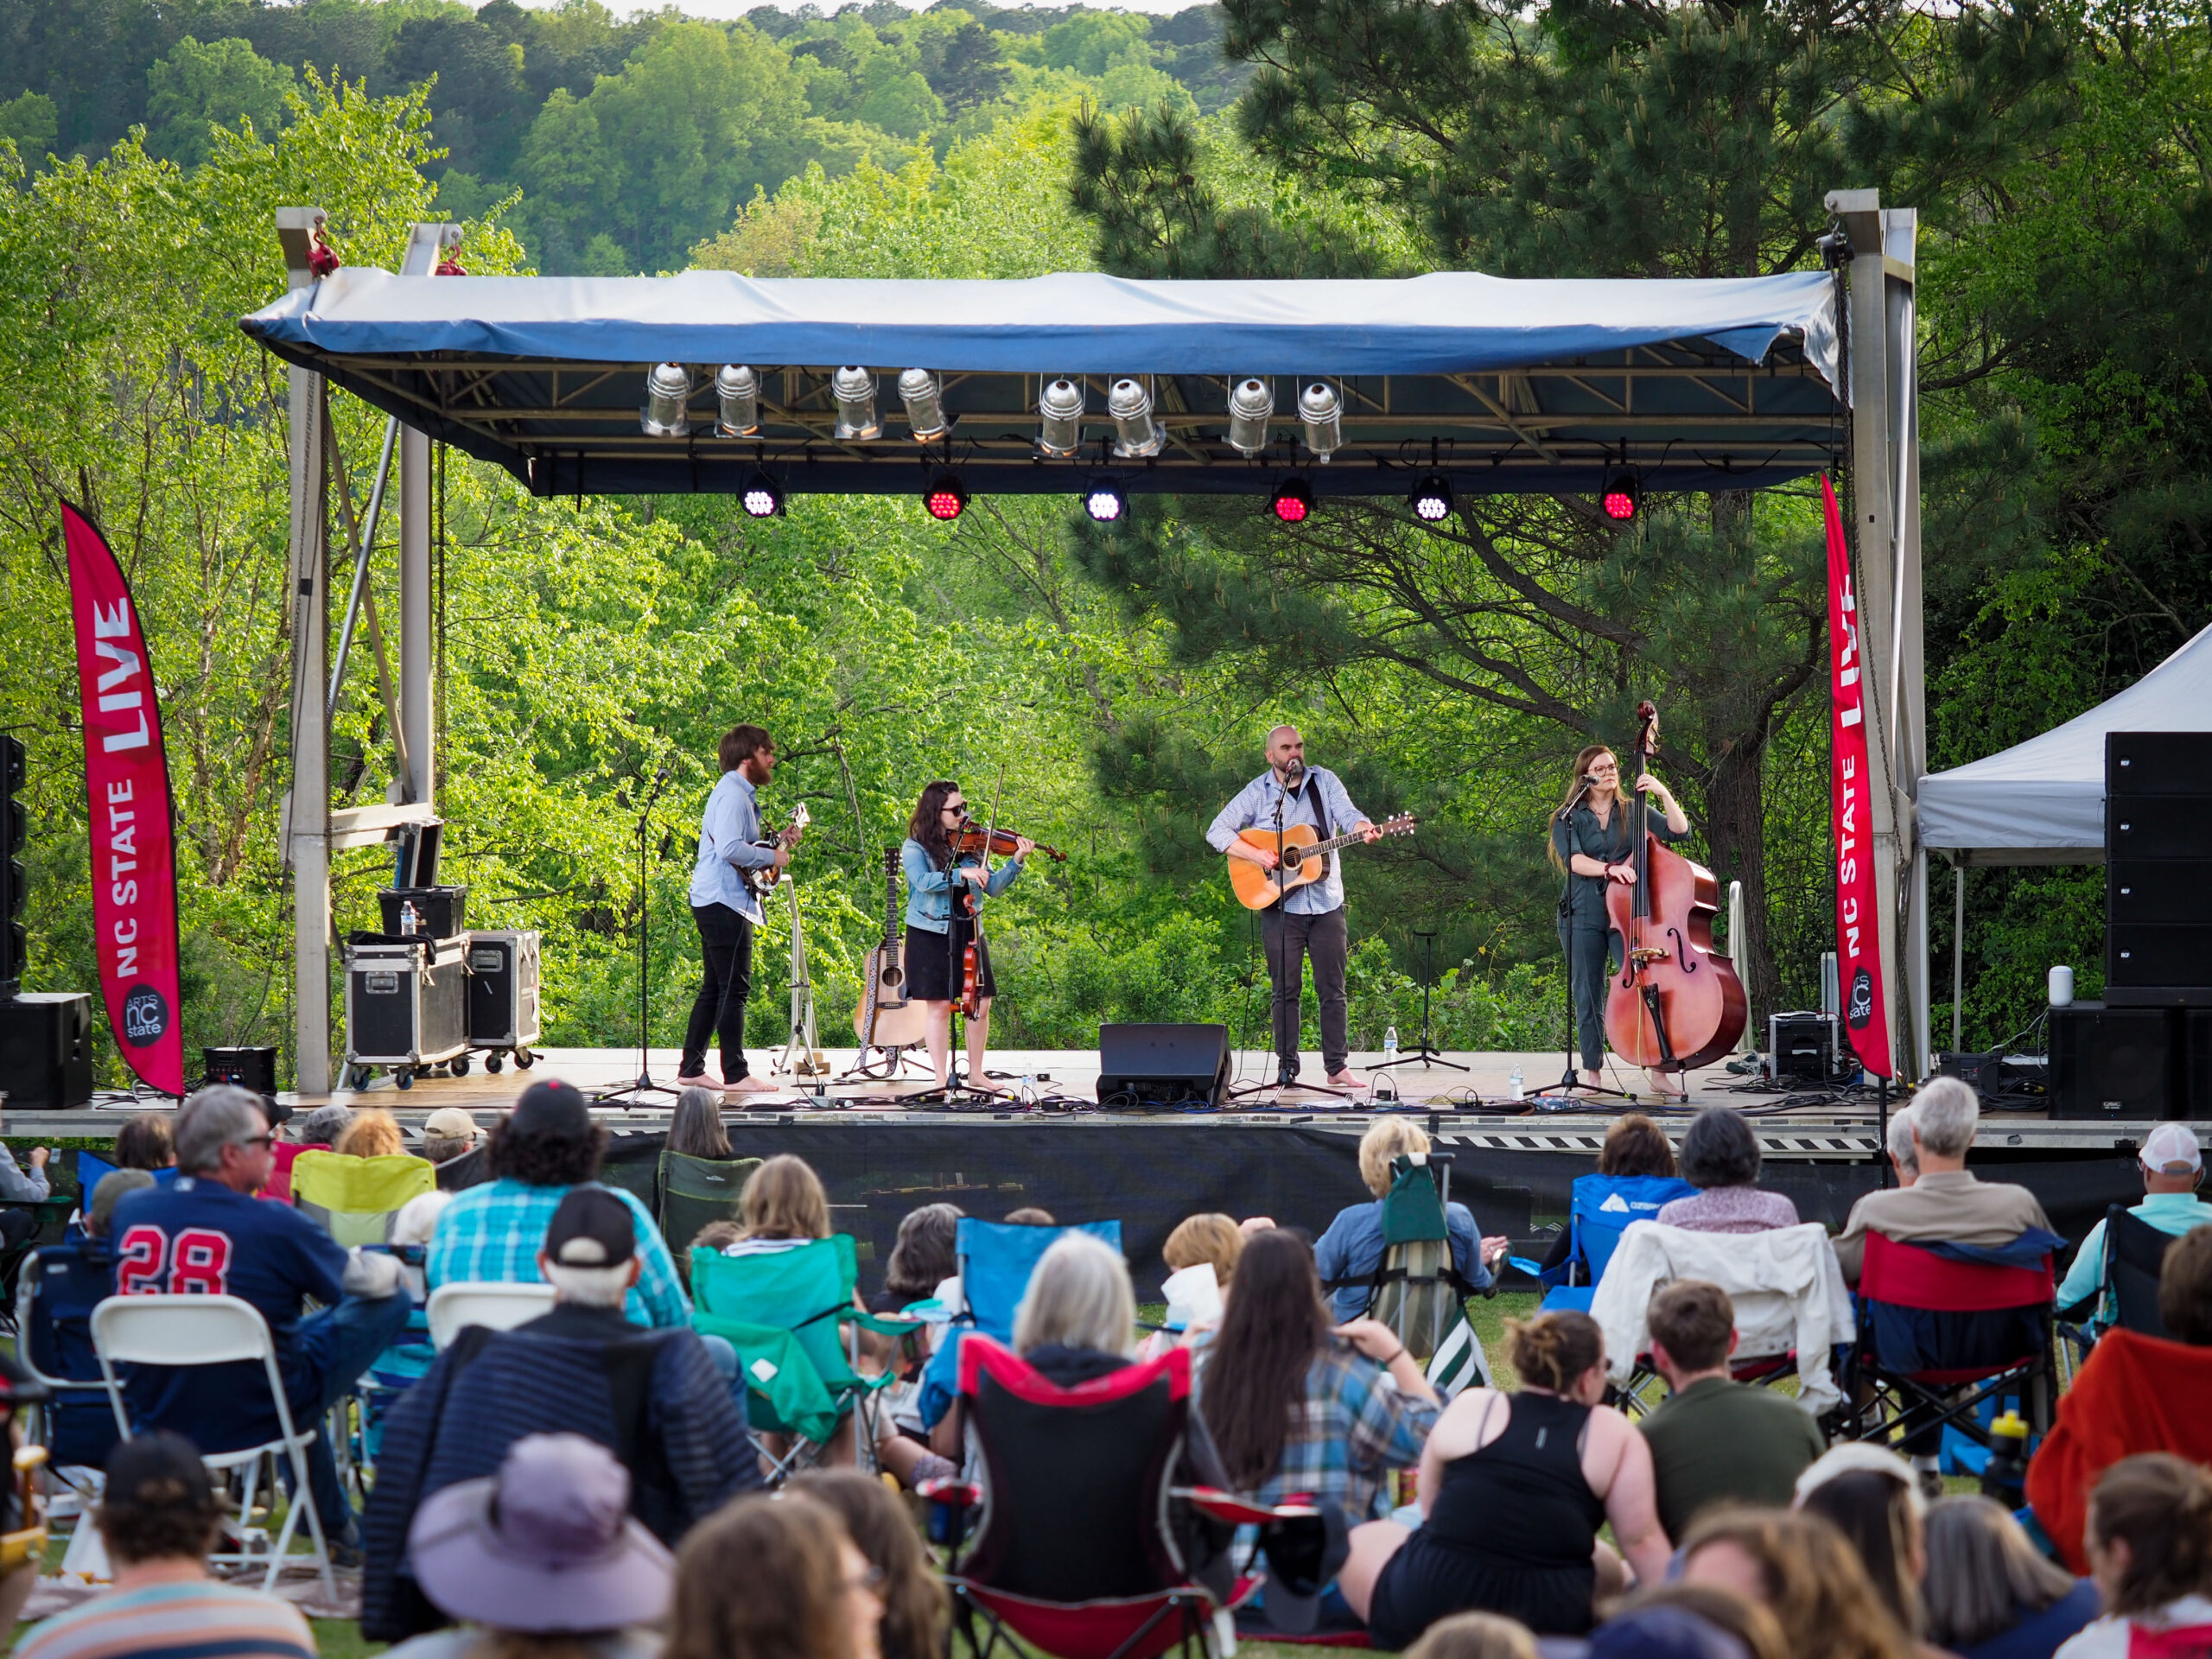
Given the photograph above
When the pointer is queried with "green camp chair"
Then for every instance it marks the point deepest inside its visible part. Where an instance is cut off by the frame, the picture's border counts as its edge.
(1418, 1291)
(790, 1315)
(696, 1191)
(356, 1200)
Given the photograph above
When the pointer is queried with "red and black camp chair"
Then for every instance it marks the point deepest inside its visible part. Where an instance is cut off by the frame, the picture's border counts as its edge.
(1940, 1336)
(1077, 1551)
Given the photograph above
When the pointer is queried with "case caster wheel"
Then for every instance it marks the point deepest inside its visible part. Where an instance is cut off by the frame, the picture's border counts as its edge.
(461, 1066)
(405, 1077)
(494, 1062)
(525, 1058)
(357, 1076)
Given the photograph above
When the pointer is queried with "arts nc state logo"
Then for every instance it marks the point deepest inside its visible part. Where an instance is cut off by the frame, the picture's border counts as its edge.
(1862, 1000)
(145, 1016)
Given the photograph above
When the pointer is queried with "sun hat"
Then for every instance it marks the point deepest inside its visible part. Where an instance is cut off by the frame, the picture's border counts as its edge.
(547, 1545)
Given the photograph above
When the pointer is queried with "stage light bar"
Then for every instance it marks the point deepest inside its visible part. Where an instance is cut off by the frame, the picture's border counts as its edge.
(855, 390)
(1293, 501)
(1250, 402)
(762, 499)
(1106, 503)
(737, 389)
(1623, 495)
(944, 501)
(1059, 416)
(1130, 405)
(918, 390)
(1432, 499)
(668, 390)
(1319, 408)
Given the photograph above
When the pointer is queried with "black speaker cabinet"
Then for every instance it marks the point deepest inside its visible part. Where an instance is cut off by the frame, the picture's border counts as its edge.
(2158, 826)
(2139, 763)
(249, 1068)
(2159, 890)
(2117, 1063)
(46, 1056)
(1802, 1045)
(1162, 1067)
(2158, 964)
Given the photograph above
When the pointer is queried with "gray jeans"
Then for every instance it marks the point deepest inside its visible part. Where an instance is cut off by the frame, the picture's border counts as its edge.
(1588, 969)
(1288, 939)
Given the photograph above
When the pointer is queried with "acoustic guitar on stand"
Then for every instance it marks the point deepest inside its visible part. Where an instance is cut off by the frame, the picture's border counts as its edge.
(887, 1017)
(1304, 855)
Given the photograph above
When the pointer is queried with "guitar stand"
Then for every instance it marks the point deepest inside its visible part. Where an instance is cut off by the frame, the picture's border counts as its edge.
(896, 1057)
(802, 1040)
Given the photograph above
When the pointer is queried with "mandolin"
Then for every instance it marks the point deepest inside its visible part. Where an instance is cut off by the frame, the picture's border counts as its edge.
(1305, 858)
(764, 880)
(886, 1018)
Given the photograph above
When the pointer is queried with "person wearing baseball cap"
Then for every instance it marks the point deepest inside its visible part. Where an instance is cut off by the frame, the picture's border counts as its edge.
(536, 1156)
(447, 1134)
(2172, 1166)
(545, 1548)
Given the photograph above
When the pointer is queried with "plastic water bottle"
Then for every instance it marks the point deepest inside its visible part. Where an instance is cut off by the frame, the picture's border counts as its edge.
(411, 921)
(1390, 1046)
(2004, 1477)
(1514, 1088)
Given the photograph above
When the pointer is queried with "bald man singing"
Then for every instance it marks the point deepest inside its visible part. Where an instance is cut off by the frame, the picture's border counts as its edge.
(1308, 920)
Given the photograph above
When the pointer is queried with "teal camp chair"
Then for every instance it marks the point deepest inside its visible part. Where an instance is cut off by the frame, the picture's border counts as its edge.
(790, 1315)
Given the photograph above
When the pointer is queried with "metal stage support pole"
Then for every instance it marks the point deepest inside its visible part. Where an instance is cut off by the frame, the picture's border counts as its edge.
(307, 812)
(1882, 379)
(418, 716)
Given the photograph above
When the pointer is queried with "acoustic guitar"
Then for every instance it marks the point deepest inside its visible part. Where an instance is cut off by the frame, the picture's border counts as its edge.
(1305, 858)
(887, 1018)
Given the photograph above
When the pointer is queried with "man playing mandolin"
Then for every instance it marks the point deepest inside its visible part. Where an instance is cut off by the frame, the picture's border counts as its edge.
(727, 907)
(1309, 920)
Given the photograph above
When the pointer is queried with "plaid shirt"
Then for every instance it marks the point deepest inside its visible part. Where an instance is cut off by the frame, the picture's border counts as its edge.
(1353, 1425)
(493, 1232)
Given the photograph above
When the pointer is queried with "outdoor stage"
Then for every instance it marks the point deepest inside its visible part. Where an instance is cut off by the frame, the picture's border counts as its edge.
(1290, 1154)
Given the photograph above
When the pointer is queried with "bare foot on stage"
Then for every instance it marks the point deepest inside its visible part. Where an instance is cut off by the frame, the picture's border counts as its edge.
(697, 1080)
(1661, 1087)
(749, 1084)
(1592, 1079)
(1346, 1078)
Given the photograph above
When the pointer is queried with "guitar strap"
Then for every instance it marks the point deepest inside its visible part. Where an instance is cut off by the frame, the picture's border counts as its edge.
(1314, 776)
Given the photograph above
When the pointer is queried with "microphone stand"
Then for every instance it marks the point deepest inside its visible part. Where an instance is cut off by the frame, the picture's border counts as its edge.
(645, 1084)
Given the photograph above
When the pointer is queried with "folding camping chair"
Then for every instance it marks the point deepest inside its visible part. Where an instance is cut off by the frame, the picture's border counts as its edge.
(694, 1192)
(172, 1330)
(59, 1286)
(2135, 1252)
(356, 1200)
(1599, 1213)
(496, 1305)
(1939, 1334)
(1415, 1288)
(1075, 1552)
(791, 1316)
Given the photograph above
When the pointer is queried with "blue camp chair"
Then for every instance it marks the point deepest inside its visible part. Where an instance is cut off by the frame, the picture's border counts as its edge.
(996, 1258)
(59, 1286)
(1598, 1214)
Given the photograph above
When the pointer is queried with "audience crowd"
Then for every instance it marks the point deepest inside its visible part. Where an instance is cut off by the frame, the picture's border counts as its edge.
(593, 1480)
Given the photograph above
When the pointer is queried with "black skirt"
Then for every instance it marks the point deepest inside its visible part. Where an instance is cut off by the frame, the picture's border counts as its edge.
(933, 962)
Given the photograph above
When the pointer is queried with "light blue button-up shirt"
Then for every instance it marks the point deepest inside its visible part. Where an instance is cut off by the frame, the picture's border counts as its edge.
(1254, 809)
(728, 829)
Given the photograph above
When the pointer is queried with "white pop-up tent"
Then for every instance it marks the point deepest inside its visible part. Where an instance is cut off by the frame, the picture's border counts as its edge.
(2043, 802)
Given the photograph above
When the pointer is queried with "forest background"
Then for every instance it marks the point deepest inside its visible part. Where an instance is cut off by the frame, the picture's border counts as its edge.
(1118, 681)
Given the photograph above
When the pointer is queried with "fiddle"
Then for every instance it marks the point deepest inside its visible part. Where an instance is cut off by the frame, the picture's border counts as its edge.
(972, 837)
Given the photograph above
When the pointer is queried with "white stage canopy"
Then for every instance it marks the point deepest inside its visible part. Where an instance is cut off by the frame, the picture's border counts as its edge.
(2043, 802)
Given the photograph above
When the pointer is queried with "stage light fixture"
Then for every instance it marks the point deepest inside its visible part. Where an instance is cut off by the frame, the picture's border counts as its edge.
(1293, 501)
(668, 390)
(1623, 495)
(1319, 407)
(1059, 416)
(1105, 503)
(1130, 405)
(944, 501)
(1250, 402)
(855, 390)
(918, 390)
(737, 389)
(762, 499)
(1432, 499)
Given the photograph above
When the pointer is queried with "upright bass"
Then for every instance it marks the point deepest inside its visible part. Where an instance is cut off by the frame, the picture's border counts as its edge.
(1677, 1002)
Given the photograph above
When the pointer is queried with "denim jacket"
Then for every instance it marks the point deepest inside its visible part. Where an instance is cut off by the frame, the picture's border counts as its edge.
(929, 890)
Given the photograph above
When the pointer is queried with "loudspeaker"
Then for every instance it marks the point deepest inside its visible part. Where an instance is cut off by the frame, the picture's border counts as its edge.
(1162, 1067)
(1983, 1073)
(2139, 763)
(249, 1068)
(2158, 826)
(46, 1056)
(2166, 890)
(2114, 1063)
(1802, 1046)
(2158, 964)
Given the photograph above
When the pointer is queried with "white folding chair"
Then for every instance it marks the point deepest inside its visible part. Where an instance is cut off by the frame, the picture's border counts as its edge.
(195, 1329)
(495, 1305)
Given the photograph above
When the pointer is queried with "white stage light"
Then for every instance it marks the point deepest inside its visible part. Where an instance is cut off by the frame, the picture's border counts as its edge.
(1106, 503)
(667, 389)
(1130, 405)
(855, 390)
(918, 390)
(1432, 499)
(737, 389)
(1250, 402)
(1319, 407)
(762, 499)
(1059, 415)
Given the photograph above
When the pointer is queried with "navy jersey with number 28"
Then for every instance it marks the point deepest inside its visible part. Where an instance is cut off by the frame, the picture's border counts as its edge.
(195, 1237)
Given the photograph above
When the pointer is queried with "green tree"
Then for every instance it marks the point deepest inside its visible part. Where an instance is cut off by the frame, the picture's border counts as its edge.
(29, 123)
(197, 87)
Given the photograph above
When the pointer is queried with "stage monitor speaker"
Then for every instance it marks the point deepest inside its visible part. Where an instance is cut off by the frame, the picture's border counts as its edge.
(2116, 1064)
(46, 1054)
(2160, 890)
(249, 1068)
(1162, 1067)
(2139, 763)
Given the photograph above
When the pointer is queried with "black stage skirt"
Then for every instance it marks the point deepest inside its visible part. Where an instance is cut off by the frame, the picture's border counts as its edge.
(933, 962)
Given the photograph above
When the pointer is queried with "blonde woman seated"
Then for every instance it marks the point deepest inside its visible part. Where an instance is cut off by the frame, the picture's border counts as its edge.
(1352, 1247)
(1514, 1488)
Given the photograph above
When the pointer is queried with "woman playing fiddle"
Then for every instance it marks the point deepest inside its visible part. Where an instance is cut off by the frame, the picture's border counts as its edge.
(1590, 843)
(942, 888)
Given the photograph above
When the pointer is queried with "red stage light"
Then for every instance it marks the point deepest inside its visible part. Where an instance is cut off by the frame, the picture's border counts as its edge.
(1293, 501)
(945, 500)
(1624, 493)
